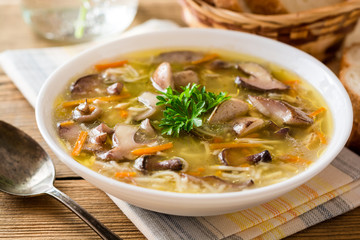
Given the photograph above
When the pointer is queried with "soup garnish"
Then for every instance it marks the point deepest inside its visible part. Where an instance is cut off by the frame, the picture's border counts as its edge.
(192, 121)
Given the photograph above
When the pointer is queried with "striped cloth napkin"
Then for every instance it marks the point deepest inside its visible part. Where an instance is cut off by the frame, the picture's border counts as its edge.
(334, 191)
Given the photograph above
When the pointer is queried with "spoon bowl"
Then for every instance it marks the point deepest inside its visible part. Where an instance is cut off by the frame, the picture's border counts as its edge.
(27, 170)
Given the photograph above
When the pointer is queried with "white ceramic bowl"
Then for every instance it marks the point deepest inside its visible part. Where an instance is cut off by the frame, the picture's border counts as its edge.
(288, 57)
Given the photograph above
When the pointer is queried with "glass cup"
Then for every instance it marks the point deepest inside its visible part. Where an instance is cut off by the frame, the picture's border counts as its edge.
(78, 20)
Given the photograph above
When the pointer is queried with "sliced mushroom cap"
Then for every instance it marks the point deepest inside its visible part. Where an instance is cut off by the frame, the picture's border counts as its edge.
(246, 125)
(263, 156)
(223, 157)
(99, 134)
(123, 143)
(259, 79)
(179, 56)
(115, 89)
(82, 113)
(280, 111)
(231, 157)
(162, 77)
(69, 132)
(146, 133)
(86, 85)
(154, 163)
(183, 78)
(149, 100)
(220, 64)
(228, 110)
(280, 132)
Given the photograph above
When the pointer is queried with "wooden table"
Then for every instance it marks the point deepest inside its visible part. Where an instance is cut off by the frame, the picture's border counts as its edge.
(44, 217)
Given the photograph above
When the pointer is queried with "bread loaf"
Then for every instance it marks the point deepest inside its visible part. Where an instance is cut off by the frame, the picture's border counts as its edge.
(268, 7)
(350, 78)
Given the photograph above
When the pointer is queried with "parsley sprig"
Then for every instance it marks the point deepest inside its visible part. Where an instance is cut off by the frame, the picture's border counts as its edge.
(184, 110)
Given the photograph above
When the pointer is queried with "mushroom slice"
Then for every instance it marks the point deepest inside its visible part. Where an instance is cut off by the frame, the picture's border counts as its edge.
(231, 157)
(115, 89)
(263, 156)
(280, 111)
(83, 113)
(86, 85)
(228, 110)
(183, 78)
(123, 143)
(179, 56)
(280, 132)
(259, 79)
(153, 163)
(218, 64)
(69, 132)
(149, 100)
(146, 133)
(99, 134)
(162, 77)
(246, 125)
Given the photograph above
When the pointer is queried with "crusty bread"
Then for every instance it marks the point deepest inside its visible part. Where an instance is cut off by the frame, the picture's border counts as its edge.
(350, 78)
(286, 6)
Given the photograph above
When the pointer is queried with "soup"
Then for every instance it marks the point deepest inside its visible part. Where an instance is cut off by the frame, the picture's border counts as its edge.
(192, 121)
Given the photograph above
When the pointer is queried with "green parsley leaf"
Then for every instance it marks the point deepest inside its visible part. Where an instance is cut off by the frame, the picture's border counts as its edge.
(184, 110)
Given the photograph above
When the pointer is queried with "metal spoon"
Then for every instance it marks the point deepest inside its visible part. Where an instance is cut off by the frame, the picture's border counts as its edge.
(27, 170)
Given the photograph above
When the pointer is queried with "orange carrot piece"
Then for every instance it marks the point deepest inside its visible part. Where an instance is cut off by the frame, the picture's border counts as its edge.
(79, 143)
(321, 137)
(196, 174)
(218, 139)
(66, 123)
(206, 58)
(150, 150)
(124, 113)
(317, 112)
(245, 165)
(292, 82)
(214, 146)
(125, 174)
(91, 100)
(295, 159)
(103, 66)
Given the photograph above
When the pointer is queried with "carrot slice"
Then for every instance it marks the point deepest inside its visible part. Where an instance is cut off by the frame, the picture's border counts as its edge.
(125, 174)
(317, 112)
(206, 58)
(79, 143)
(295, 159)
(150, 150)
(91, 100)
(124, 113)
(321, 137)
(214, 146)
(66, 123)
(104, 66)
(292, 82)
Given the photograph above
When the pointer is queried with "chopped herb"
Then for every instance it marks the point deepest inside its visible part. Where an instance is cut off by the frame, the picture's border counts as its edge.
(185, 110)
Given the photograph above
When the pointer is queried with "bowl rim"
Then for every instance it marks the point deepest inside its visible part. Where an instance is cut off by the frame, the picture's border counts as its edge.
(313, 170)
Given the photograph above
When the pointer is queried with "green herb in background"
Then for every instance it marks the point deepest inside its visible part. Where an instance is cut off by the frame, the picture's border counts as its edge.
(80, 22)
(184, 111)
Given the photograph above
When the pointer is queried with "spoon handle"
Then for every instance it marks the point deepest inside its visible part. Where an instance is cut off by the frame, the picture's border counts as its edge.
(98, 227)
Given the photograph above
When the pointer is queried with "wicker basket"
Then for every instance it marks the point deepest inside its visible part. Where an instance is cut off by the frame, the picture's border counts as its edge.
(319, 32)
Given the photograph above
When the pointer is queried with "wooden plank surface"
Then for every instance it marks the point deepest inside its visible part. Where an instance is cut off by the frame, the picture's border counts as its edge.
(45, 218)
